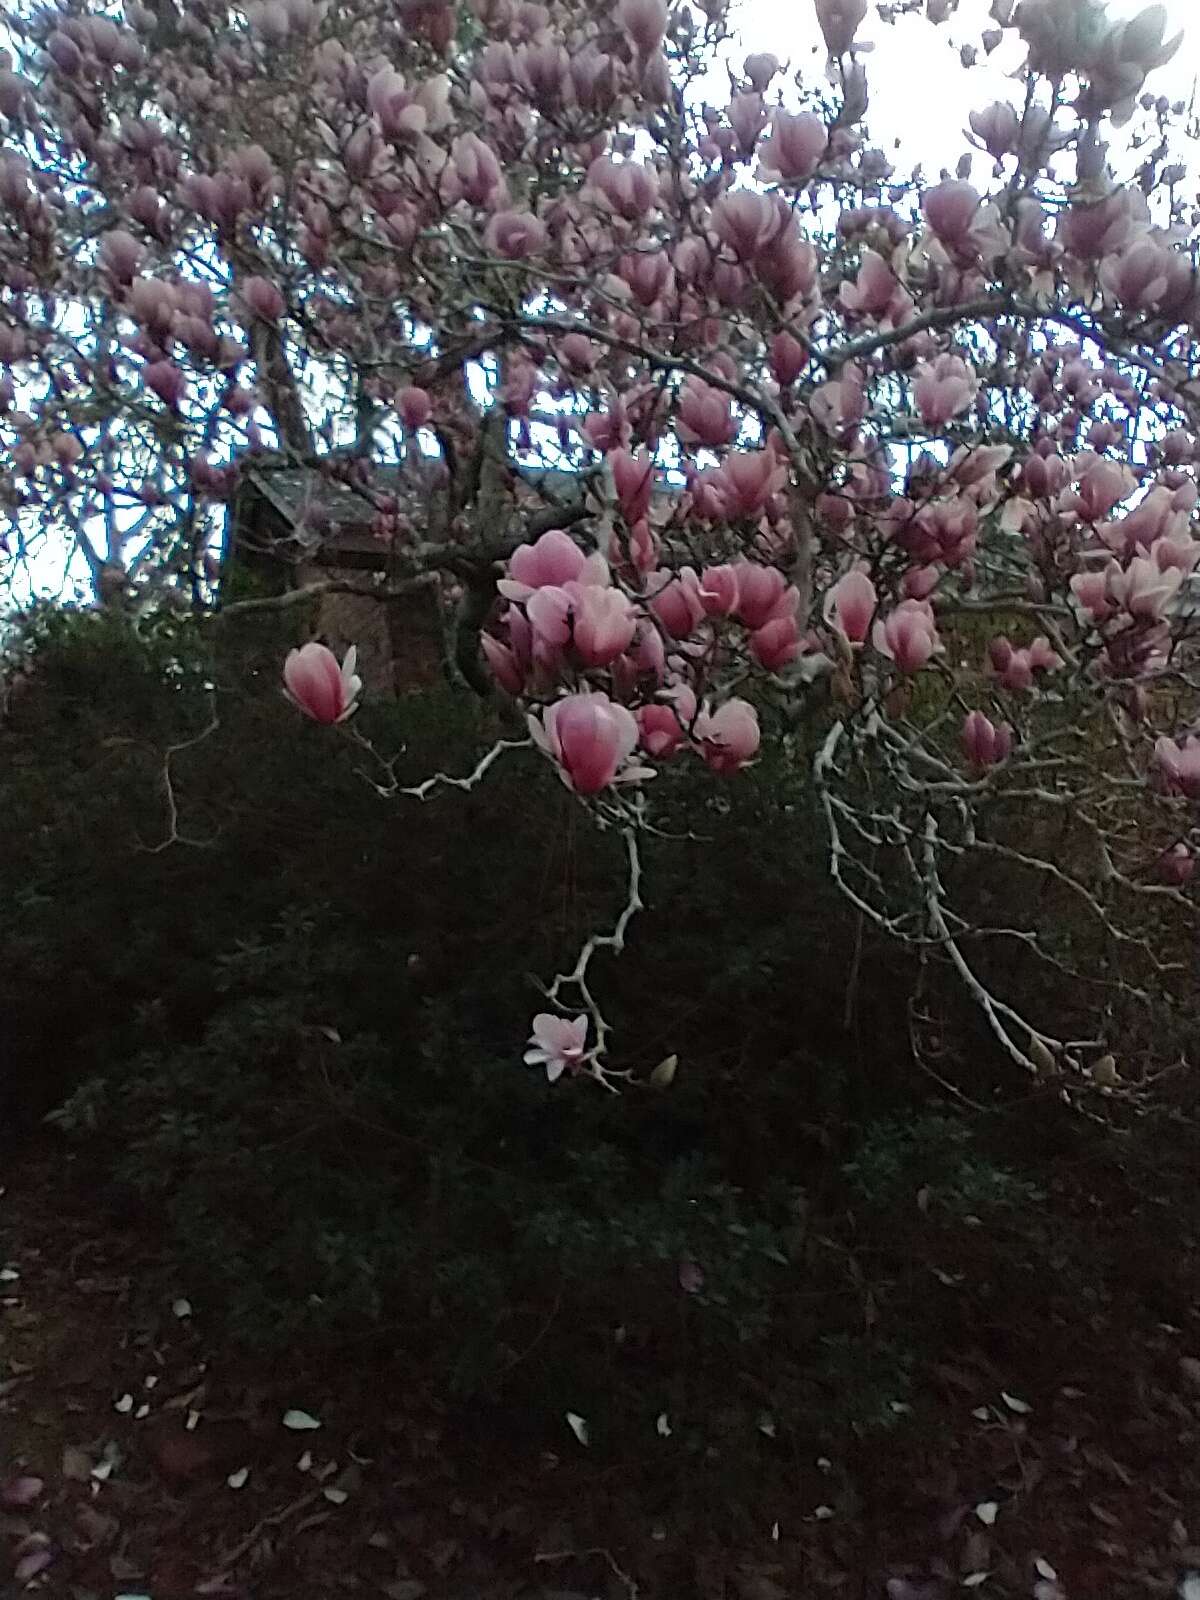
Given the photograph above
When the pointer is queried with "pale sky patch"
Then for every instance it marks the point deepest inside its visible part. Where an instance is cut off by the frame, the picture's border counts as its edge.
(920, 93)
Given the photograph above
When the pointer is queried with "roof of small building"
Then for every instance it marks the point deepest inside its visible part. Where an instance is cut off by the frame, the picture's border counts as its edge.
(319, 510)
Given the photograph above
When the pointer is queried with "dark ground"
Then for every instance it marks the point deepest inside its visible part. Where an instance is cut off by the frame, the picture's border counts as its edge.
(1050, 1449)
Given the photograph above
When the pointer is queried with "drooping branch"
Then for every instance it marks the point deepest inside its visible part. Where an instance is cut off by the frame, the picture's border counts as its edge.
(574, 987)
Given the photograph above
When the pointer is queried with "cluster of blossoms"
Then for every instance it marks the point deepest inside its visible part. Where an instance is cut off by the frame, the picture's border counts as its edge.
(826, 429)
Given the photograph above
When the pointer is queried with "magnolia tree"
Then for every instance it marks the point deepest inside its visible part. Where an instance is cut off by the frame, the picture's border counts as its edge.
(903, 465)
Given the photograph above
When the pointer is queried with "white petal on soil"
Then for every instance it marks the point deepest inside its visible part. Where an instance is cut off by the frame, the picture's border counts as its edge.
(300, 1421)
(578, 1426)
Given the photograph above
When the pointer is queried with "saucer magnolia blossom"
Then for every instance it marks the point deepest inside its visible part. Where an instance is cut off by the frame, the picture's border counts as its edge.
(663, 724)
(1180, 765)
(850, 606)
(551, 561)
(985, 744)
(316, 685)
(557, 1043)
(908, 636)
(590, 738)
(729, 736)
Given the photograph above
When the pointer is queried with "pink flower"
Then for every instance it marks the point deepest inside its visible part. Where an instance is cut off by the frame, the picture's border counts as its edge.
(950, 209)
(761, 592)
(1176, 865)
(590, 738)
(120, 255)
(920, 582)
(729, 736)
(1180, 765)
(554, 559)
(606, 430)
(943, 389)
(1042, 656)
(628, 187)
(997, 127)
(705, 416)
(663, 724)
(776, 643)
(760, 68)
(908, 636)
(604, 624)
(506, 669)
(747, 116)
(263, 298)
(745, 221)
(633, 478)
(1144, 589)
(477, 171)
(645, 21)
(850, 606)
(873, 290)
(515, 235)
(788, 266)
(648, 274)
(985, 744)
(1091, 591)
(638, 548)
(1017, 672)
(719, 591)
(316, 685)
(839, 21)
(787, 358)
(677, 601)
(557, 1043)
(167, 381)
(576, 352)
(415, 407)
(1102, 485)
(795, 146)
(649, 655)
(1015, 667)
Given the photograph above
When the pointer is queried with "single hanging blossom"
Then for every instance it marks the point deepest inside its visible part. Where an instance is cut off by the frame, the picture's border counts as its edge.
(316, 685)
(556, 1043)
(908, 636)
(850, 606)
(728, 737)
(1180, 765)
(984, 743)
(590, 739)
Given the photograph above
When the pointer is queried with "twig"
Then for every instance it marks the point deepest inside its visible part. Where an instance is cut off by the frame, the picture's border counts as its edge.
(622, 1576)
(273, 1520)
(173, 834)
(577, 978)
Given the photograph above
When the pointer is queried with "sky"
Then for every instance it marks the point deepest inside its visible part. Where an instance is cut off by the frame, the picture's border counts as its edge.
(919, 92)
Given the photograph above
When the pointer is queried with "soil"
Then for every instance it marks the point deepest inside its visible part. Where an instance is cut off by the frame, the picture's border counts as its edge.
(1052, 1453)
